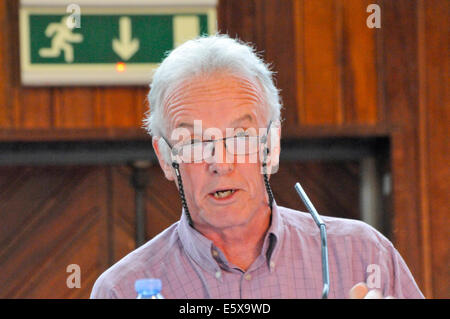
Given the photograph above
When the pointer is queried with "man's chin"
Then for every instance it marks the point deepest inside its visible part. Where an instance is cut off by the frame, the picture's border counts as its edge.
(222, 210)
(225, 216)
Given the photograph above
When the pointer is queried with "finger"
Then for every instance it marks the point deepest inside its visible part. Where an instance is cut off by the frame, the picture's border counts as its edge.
(374, 294)
(358, 291)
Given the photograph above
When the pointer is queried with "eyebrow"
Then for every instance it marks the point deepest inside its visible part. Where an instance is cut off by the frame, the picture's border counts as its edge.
(187, 125)
(246, 117)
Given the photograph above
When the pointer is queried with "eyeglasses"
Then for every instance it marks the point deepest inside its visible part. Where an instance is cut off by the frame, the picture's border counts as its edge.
(195, 151)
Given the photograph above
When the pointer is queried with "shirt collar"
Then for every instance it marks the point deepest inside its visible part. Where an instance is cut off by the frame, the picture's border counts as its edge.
(274, 236)
(197, 246)
(200, 248)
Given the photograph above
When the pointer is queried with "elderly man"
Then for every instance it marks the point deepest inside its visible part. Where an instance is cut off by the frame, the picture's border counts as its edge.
(215, 121)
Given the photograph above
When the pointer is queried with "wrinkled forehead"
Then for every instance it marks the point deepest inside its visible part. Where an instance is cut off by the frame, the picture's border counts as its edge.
(236, 98)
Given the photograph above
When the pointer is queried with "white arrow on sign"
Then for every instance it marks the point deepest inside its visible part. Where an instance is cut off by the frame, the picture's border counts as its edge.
(125, 47)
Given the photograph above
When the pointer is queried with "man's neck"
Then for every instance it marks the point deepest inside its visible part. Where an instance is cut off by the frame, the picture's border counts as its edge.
(243, 244)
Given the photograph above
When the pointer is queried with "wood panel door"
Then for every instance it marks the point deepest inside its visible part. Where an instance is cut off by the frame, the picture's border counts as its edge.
(52, 217)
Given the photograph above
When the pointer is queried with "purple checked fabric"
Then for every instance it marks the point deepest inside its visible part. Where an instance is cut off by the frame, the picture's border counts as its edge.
(289, 266)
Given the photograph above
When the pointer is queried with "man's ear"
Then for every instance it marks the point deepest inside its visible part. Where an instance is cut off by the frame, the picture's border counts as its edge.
(166, 167)
(273, 144)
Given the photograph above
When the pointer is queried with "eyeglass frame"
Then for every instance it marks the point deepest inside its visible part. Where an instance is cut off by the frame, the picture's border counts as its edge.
(263, 140)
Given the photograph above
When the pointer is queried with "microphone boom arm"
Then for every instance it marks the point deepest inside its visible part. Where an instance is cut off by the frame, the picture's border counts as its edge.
(323, 238)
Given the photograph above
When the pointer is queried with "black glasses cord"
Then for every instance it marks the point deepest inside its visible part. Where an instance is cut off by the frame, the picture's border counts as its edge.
(176, 166)
(266, 183)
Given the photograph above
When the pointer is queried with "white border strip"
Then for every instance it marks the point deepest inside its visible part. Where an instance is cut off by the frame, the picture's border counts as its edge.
(119, 3)
(85, 78)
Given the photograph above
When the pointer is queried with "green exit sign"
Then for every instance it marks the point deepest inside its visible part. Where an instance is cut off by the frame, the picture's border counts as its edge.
(104, 45)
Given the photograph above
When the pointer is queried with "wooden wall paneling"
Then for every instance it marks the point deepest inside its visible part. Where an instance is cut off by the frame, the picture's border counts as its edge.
(122, 216)
(321, 102)
(76, 107)
(279, 51)
(434, 132)
(118, 107)
(222, 15)
(6, 114)
(358, 64)
(334, 88)
(299, 49)
(163, 203)
(55, 217)
(142, 105)
(237, 18)
(259, 39)
(84, 244)
(332, 186)
(35, 109)
(399, 33)
(258, 21)
(13, 184)
(9, 76)
(28, 107)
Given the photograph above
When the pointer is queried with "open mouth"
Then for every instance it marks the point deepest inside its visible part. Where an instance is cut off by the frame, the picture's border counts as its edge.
(223, 193)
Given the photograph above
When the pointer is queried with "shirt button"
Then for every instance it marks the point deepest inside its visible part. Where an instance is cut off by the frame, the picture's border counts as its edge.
(218, 274)
(215, 253)
(248, 277)
(272, 265)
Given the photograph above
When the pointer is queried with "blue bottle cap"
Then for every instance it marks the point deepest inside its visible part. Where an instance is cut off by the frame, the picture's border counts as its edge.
(147, 286)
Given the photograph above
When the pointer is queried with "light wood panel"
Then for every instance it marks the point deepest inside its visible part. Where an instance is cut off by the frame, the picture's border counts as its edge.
(268, 25)
(401, 96)
(359, 64)
(120, 107)
(76, 108)
(321, 102)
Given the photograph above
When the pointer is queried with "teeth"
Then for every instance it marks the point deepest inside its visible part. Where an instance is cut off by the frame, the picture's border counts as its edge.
(222, 194)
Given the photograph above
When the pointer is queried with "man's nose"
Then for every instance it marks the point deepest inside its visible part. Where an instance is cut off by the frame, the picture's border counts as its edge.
(220, 162)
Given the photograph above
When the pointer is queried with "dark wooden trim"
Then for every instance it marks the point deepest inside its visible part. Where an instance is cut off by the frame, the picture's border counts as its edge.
(102, 134)
(336, 131)
(91, 134)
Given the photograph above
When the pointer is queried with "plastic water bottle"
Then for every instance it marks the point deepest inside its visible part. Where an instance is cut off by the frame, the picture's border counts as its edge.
(148, 288)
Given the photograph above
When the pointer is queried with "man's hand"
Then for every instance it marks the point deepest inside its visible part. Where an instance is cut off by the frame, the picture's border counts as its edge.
(361, 291)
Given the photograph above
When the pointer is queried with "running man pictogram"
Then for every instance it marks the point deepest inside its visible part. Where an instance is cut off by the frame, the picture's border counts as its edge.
(62, 40)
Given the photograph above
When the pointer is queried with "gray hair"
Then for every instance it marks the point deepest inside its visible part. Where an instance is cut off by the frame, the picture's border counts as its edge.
(207, 55)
